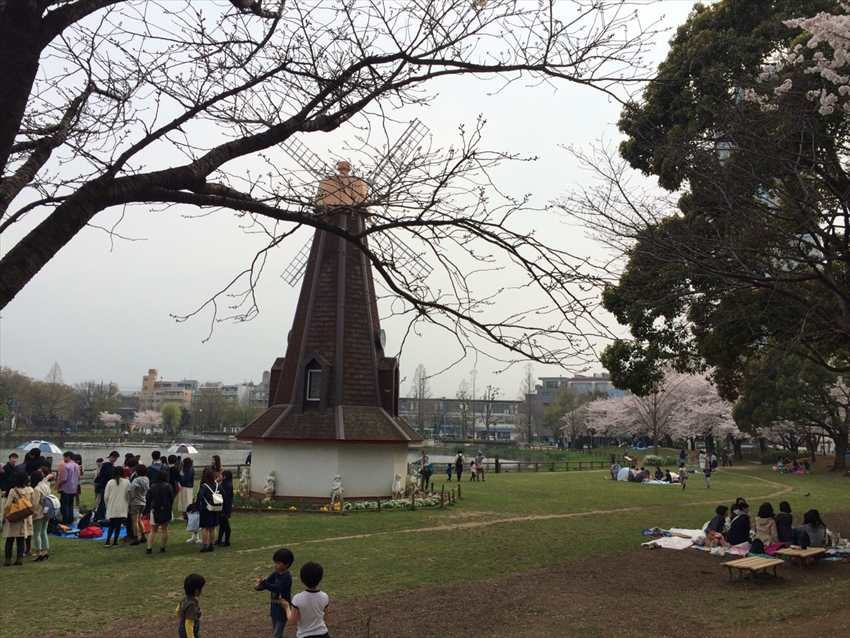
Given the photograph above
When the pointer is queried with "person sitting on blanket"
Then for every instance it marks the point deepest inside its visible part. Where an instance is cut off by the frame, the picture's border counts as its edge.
(659, 475)
(641, 476)
(668, 478)
(716, 526)
(812, 533)
(785, 523)
(765, 525)
(739, 527)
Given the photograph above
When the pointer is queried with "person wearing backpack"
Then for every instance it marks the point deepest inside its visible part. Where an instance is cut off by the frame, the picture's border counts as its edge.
(17, 517)
(209, 502)
(159, 501)
(42, 511)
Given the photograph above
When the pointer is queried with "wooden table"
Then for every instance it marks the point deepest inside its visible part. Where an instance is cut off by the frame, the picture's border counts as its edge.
(752, 565)
(802, 556)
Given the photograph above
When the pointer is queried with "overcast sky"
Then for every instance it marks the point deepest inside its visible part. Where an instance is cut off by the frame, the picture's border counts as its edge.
(102, 311)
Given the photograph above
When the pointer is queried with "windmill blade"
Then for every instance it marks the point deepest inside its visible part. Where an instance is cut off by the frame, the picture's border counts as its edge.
(306, 158)
(390, 166)
(400, 256)
(295, 270)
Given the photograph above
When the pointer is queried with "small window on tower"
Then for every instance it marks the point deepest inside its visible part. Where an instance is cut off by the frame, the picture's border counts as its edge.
(314, 383)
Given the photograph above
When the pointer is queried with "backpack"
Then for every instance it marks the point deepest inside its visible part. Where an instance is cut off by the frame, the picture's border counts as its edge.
(50, 506)
(217, 500)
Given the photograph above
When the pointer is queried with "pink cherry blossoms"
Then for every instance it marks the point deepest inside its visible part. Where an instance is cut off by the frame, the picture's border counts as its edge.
(826, 54)
(683, 406)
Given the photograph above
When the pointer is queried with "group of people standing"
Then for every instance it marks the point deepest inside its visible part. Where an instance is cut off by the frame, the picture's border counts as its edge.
(143, 499)
(25, 488)
(476, 467)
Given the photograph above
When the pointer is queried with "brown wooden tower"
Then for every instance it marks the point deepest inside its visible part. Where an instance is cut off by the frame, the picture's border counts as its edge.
(335, 382)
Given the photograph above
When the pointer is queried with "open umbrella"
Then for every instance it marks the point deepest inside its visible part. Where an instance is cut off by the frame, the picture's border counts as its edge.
(182, 448)
(45, 447)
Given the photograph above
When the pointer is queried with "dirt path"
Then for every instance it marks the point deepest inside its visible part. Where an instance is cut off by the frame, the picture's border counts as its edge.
(782, 489)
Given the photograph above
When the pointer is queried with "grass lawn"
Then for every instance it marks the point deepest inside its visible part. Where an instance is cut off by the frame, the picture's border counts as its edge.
(510, 524)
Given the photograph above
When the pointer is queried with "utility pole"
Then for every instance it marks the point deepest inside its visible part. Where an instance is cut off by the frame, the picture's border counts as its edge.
(474, 374)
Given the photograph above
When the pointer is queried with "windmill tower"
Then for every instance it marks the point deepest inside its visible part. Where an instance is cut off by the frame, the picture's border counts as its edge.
(333, 398)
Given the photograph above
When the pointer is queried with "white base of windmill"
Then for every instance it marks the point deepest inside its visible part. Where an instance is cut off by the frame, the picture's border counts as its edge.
(305, 470)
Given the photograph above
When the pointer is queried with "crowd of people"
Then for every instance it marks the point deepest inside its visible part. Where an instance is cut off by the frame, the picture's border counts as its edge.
(476, 468)
(768, 531)
(144, 500)
(707, 464)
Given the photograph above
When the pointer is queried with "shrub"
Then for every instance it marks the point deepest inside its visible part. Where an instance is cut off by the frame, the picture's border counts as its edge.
(653, 460)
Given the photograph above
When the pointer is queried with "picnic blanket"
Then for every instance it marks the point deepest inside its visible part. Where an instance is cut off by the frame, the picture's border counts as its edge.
(669, 542)
(75, 534)
(654, 482)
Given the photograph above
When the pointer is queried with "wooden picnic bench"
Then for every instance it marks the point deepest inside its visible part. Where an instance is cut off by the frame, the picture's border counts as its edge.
(802, 556)
(752, 565)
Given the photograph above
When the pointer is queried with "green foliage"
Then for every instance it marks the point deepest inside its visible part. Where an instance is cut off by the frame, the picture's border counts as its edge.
(652, 459)
(710, 284)
(567, 401)
(780, 387)
(172, 415)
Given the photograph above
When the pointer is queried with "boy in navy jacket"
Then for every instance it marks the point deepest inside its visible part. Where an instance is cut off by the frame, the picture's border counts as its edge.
(279, 585)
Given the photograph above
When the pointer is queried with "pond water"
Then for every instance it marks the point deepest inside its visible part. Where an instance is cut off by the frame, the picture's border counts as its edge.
(230, 455)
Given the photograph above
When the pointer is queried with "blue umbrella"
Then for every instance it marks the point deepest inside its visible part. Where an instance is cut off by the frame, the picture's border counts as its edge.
(46, 447)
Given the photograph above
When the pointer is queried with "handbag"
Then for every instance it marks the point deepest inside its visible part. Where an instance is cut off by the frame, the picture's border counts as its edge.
(19, 509)
(217, 501)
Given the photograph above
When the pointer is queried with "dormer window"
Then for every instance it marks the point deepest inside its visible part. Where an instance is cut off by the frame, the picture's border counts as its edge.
(314, 384)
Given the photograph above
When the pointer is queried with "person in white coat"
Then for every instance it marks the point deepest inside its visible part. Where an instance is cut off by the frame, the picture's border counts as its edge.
(117, 498)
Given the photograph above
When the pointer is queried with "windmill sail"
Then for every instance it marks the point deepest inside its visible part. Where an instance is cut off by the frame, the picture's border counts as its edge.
(389, 168)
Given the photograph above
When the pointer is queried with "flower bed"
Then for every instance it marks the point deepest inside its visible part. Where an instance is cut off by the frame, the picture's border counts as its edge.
(259, 505)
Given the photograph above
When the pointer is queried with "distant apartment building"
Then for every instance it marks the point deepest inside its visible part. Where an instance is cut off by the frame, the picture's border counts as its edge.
(258, 393)
(457, 418)
(156, 392)
(549, 388)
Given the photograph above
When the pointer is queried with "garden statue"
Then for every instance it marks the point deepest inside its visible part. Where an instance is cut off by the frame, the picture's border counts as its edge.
(336, 490)
(245, 482)
(269, 489)
(412, 486)
(398, 487)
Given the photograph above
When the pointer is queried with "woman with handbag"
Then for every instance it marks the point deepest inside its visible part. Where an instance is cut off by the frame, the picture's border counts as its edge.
(17, 517)
(209, 503)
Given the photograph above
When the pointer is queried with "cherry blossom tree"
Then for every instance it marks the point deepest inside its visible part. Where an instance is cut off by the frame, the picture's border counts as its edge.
(147, 421)
(682, 406)
(824, 55)
(109, 419)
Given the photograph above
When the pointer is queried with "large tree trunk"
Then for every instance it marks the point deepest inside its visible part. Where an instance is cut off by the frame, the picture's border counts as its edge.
(20, 49)
(40, 245)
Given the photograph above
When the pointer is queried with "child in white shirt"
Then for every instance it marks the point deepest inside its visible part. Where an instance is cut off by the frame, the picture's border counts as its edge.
(309, 608)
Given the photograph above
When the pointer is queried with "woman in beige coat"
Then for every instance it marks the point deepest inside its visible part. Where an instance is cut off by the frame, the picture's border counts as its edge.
(17, 532)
